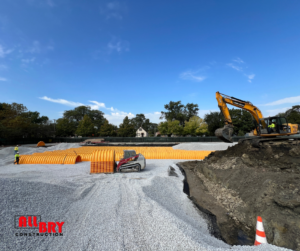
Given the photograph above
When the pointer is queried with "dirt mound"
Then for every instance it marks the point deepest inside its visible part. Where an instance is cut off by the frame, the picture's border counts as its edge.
(243, 182)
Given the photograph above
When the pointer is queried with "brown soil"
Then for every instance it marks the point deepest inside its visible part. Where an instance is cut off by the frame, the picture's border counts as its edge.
(244, 182)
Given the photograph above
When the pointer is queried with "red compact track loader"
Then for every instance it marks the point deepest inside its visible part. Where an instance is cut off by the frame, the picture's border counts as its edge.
(131, 162)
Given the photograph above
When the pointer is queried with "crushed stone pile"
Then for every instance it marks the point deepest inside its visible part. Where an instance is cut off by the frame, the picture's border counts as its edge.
(244, 182)
(204, 146)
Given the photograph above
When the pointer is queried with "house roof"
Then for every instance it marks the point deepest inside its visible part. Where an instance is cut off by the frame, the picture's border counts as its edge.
(141, 129)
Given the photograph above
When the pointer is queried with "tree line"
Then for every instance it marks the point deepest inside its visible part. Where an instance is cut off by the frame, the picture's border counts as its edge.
(17, 122)
(178, 119)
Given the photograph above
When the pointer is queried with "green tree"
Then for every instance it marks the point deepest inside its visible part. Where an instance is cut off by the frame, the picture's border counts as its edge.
(195, 126)
(85, 127)
(107, 129)
(17, 122)
(214, 121)
(65, 127)
(241, 133)
(203, 129)
(126, 129)
(152, 129)
(190, 110)
(35, 118)
(163, 128)
(177, 111)
(293, 115)
(175, 128)
(38, 126)
(141, 121)
(77, 114)
(12, 121)
(242, 121)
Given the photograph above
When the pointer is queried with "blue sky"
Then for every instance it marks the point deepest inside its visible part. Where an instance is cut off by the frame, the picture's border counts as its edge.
(130, 57)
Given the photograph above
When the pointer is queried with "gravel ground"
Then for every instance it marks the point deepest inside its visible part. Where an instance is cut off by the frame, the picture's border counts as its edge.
(129, 211)
(211, 146)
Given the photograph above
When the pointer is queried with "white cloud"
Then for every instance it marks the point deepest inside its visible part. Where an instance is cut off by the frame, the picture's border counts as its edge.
(114, 116)
(250, 77)
(4, 52)
(117, 45)
(3, 79)
(62, 101)
(28, 60)
(192, 75)
(117, 117)
(154, 117)
(290, 100)
(96, 105)
(237, 68)
(238, 60)
(240, 69)
(274, 112)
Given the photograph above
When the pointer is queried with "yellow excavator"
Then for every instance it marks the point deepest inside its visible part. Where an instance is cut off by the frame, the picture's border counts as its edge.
(265, 128)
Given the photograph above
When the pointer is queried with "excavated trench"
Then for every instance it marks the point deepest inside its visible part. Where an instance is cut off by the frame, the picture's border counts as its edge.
(232, 187)
(214, 230)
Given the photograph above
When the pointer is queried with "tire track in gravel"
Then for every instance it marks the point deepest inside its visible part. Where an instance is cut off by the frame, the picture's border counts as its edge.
(89, 218)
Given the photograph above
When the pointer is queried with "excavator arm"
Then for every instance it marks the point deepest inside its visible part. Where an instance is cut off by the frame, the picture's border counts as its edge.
(225, 133)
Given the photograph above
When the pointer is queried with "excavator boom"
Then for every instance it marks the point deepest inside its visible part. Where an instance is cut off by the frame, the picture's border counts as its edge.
(225, 133)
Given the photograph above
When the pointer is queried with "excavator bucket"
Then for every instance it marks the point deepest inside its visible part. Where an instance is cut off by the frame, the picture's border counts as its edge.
(225, 133)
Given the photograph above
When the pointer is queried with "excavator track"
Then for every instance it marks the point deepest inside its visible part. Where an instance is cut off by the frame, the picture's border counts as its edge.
(260, 141)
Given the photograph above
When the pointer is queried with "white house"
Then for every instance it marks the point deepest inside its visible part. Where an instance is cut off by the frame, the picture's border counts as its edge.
(141, 133)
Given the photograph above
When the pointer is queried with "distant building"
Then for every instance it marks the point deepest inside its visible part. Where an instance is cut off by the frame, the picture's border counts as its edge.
(141, 133)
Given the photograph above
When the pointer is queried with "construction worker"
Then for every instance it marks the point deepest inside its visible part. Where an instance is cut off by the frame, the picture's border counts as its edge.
(271, 127)
(17, 158)
(16, 149)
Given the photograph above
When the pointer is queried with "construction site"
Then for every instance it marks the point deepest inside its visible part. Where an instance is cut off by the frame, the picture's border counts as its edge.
(149, 125)
(192, 196)
(95, 195)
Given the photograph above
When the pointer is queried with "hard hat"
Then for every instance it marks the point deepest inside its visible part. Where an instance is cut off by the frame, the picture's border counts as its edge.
(17, 145)
(17, 152)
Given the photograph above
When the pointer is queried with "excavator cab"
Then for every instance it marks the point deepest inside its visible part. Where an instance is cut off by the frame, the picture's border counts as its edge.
(280, 126)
